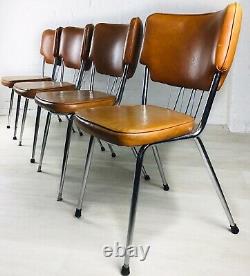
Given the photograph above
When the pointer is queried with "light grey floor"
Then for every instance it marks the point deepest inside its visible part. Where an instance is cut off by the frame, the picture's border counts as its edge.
(185, 227)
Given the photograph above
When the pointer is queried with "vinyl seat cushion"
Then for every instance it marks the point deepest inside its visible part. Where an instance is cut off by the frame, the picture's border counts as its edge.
(29, 89)
(134, 125)
(10, 81)
(70, 101)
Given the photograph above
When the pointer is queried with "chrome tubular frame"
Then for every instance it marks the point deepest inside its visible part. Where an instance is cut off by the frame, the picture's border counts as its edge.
(17, 116)
(216, 183)
(145, 174)
(10, 107)
(160, 167)
(23, 120)
(78, 211)
(38, 116)
(234, 229)
(45, 136)
(65, 156)
(132, 214)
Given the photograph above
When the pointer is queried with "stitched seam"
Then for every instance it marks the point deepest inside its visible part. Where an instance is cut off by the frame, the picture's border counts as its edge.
(131, 133)
(231, 35)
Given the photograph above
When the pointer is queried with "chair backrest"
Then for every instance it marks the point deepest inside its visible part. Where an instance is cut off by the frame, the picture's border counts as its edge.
(75, 46)
(50, 43)
(116, 45)
(188, 50)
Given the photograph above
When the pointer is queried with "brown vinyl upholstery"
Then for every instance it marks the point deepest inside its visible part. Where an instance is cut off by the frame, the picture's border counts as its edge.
(49, 50)
(200, 45)
(50, 44)
(180, 50)
(9, 81)
(134, 125)
(29, 89)
(75, 45)
(115, 45)
(66, 102)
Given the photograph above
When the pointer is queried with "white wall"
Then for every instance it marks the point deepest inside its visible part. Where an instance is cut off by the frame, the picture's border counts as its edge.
(21, 24)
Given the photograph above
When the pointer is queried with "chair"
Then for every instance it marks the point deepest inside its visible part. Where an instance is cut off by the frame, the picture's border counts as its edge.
(114, 52)
(70, 52)
(193, 52)
(49, 51)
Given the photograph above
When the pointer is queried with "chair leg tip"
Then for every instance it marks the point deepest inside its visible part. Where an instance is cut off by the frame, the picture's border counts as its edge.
(81, 134)
(32, 160)
(39, 169)
(14, 138)
(113, 155)
(78, 213)
(20, 144)
(102, 149)
(146, 177)
(234, 229)
(165, 187)
(59, 198)
(8, 126)
(125, 271)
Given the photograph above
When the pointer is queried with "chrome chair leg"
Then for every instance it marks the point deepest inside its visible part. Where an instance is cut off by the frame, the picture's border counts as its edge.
(132, 215)
(73, 130)
(160, 167)
(146, 176)
(38, 116)
(59, 119)
(26, 104)
(10, 107)
(78, 211)
(45, 136)
(17, 116)
(101, 145)
(113, 154)
(203, 153)
(65, 157)
(79, 131)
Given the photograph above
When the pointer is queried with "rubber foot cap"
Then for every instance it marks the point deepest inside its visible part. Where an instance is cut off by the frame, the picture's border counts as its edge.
(39, 169)
(81, 134)
(8, 126)
(14, 138)
(165, 187)
(102, 149)
(60, 120)
(59, 198)
(20, 144)
(125, 271)
(32, 160)
(113, 155)
(234, 229)
(78, 213)
(146, 177)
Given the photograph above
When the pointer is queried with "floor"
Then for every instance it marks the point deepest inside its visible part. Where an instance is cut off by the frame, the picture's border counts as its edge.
(186, 227)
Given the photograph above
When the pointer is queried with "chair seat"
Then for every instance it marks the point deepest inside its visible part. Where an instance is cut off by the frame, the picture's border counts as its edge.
(29, 89)
(9, 81)
(66, 102)
(134, 125)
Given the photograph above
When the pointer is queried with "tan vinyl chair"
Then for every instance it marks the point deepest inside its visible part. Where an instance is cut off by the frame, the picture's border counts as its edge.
(193, 52)
(114, 53)
(49, 51)
(73, 40)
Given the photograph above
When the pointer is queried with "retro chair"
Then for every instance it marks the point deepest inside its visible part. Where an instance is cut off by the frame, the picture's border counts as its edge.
(70, 54)
(49, 52)
(193, 52)
(114, 53)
